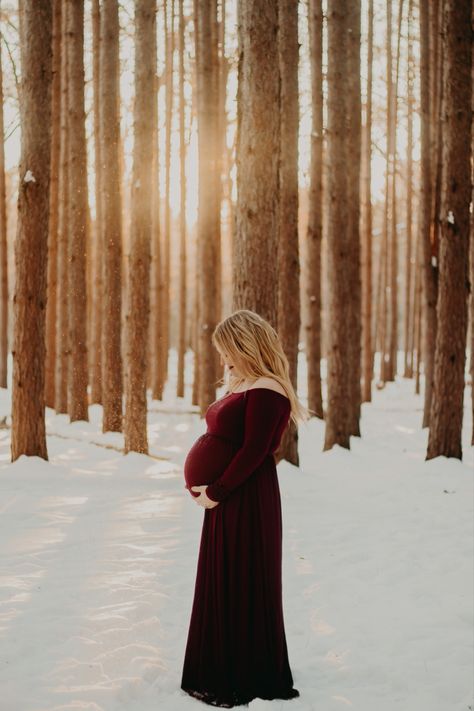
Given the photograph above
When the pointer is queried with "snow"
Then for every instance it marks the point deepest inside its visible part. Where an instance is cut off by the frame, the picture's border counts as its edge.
(450, 217)
(98, 554)
(29, 177)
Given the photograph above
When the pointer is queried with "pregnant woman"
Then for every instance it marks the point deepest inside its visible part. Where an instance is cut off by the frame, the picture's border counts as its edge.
(236, 648)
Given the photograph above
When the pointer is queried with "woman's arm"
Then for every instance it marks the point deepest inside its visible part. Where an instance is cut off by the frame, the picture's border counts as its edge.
(263, 413)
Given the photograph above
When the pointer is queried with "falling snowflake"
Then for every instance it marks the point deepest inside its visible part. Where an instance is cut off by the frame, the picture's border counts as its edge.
(29, 177)
(451, 217)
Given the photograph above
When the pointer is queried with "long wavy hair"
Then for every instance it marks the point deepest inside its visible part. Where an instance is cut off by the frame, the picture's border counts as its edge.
(248, 337)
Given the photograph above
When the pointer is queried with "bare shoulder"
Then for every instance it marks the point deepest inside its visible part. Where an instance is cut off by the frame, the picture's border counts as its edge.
(270, 384)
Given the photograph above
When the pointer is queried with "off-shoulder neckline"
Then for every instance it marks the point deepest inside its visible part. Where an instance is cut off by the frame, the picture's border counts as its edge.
(240, 392)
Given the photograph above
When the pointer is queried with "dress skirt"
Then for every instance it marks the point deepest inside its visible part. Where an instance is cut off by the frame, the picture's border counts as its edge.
(236, 647)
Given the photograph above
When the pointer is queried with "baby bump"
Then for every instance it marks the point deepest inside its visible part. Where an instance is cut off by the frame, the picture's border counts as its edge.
(207, 460)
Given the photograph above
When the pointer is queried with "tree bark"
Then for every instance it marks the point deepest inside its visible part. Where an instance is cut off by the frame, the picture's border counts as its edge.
(446, 412)
(166, 262)
(62, 334)
(429, 258)
(182, 212)
(288, 248)
(31, 246)
(367, 295)
(139, 285)
(393, 341)
(315, 213)
(78, 216)
(52, 299)
(354, 137)
(255, 275)
(112, 219)
(3, 249)
(338, 425)
(157, 325)
(408, 330)
(471, 250)
(209, 195)
(97, 251)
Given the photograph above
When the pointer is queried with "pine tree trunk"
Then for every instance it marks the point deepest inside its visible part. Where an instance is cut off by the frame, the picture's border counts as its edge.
(429, 269)
(368, 346)
(31, 246)
(446, 412)
(135, 429)
(408, 343)
(3, 249)
(78, 217)
(338, 423)
(209, 195)
(255, 276)
(436, 82)
(62, 289)
(386, 237)
(52, 298)
(112, 219)
(471, 249)
(157, 325)
(216, 24)
(393, 347)
(182, 212)
(354, 135)
(288, 248)
(169, 50)
(417, 310)
(97, 251)
(315, 213)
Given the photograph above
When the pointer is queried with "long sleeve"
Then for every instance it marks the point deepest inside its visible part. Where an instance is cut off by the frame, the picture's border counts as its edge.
(262, 417)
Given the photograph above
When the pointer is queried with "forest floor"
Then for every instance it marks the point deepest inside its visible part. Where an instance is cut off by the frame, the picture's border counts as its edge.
(98, 556)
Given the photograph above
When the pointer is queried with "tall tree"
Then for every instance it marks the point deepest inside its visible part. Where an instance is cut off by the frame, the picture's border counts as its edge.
(182, 211)
(288, 248)
(111, 214)
(408, 330)
(429, 264)
(209, 201)
(52, 301)
(157, 329)
(166, 261)
(315, 210)
(368, 346)
(62, 290)
(393, 340)
(446, 412)
(338, 425)
(78, 216)
(387, 224)
(3, 247)
(354, 147)
(97, 252)
(258, 153)
(31, 246)
(471, 252)
(135, 429)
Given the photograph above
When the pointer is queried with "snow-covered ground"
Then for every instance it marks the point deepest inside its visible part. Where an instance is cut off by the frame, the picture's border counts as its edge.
(98, 556)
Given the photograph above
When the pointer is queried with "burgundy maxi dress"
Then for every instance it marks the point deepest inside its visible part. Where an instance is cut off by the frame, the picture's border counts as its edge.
(236, 647)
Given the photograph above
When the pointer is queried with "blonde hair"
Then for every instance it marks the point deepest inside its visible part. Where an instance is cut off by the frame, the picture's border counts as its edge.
(249, 337)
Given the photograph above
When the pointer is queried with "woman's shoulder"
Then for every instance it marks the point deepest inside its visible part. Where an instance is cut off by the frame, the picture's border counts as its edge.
(267, 383)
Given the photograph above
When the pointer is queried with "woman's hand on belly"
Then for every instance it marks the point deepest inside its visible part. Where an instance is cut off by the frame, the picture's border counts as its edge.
(204, 500)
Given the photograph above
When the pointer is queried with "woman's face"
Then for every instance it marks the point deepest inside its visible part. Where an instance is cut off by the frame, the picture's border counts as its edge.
(231, 363)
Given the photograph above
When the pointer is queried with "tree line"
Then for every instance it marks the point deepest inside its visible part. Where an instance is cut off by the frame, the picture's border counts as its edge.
(106, 279)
